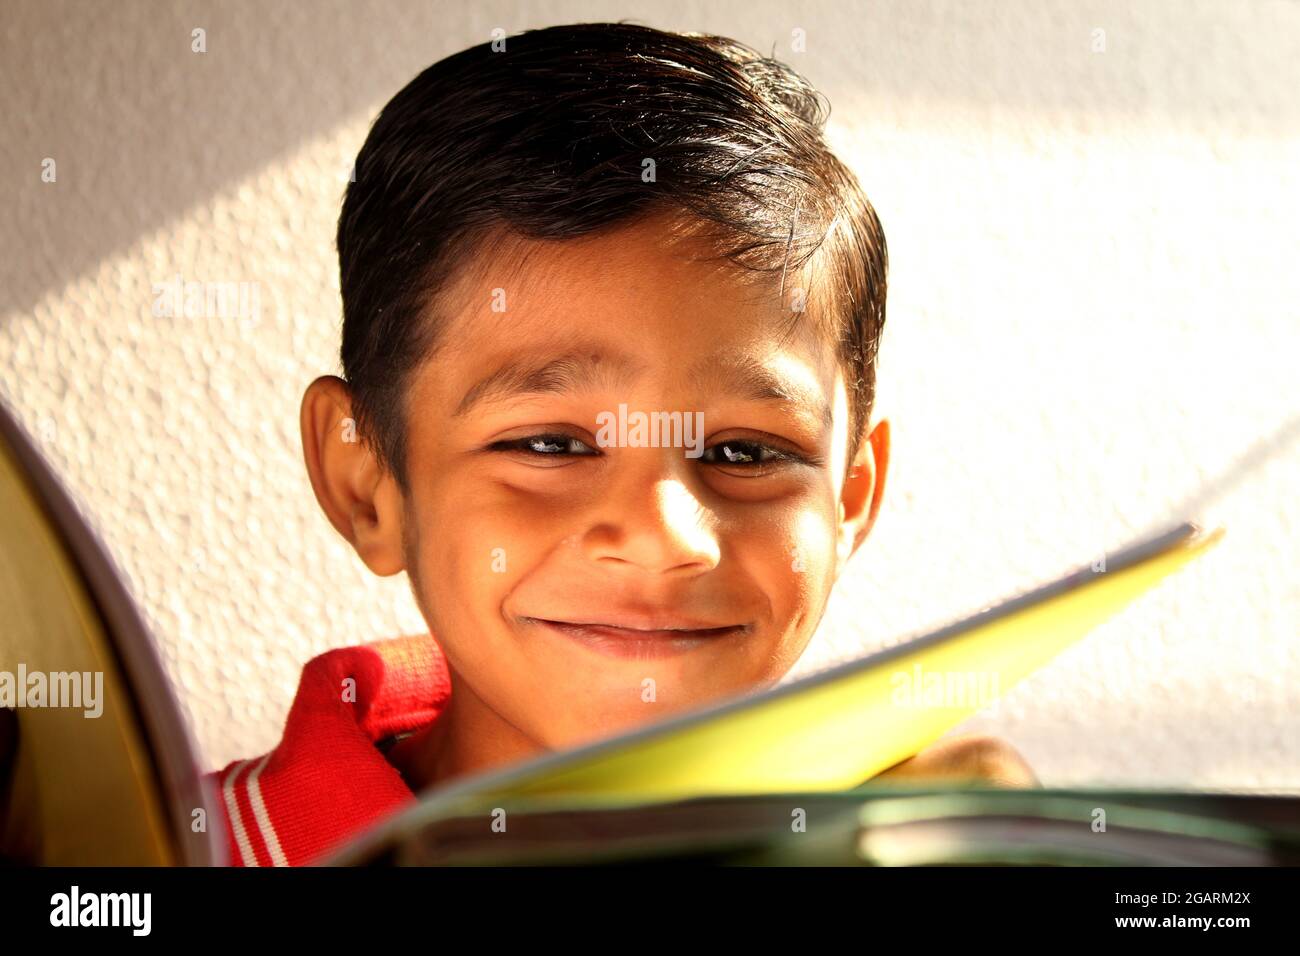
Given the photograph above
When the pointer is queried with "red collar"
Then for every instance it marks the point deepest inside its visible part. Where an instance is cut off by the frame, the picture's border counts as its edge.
(327, 779)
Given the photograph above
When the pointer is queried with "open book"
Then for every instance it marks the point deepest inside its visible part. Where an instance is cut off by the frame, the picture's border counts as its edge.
(703, 779)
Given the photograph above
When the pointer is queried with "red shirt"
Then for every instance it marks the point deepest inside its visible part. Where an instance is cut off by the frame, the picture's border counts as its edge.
(327, 779)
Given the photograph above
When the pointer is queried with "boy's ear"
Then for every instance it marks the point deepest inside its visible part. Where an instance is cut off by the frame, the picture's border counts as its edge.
(863, 492)
(361, 500)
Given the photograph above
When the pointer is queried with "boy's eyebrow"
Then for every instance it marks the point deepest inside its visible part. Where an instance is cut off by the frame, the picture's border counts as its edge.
(749, 378)
(579, 370)
(571, 372)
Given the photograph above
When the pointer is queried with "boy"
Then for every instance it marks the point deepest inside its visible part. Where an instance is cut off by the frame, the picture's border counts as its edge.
(611, 317)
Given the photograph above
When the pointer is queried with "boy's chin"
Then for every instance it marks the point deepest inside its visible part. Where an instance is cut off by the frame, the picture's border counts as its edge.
(598, 719)
(594, 727)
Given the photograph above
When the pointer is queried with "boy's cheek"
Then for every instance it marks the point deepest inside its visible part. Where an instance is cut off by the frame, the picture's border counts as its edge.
(801, 567)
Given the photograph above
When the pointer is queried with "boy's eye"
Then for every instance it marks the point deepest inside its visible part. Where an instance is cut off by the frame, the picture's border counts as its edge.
(546, 446)
(753, 458)
(743, 453)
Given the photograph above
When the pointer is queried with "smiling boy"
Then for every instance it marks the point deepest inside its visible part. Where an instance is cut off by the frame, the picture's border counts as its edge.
(579, 222)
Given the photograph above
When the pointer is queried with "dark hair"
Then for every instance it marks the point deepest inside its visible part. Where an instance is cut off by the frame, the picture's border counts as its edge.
(546, 139)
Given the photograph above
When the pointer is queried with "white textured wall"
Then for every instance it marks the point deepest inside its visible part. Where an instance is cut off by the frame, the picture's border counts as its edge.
(1093, 306)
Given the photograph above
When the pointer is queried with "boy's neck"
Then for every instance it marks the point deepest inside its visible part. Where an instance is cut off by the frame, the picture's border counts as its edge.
(466, 738)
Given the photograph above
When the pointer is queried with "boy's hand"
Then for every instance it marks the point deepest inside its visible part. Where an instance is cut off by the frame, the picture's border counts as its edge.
(979, 759)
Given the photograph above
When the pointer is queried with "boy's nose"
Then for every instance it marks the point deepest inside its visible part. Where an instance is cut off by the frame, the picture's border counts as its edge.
(659, 526)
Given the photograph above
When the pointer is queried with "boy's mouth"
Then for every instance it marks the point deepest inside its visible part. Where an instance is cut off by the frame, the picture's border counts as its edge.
(659, 639)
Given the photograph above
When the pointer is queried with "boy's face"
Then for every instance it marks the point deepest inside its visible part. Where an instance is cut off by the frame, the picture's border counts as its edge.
(578, 582)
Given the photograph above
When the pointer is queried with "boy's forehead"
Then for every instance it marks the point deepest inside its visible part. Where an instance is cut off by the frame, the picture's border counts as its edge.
(608, 310)
(647, 268)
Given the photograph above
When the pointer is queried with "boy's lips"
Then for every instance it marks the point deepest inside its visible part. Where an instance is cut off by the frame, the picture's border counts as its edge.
(648, 637)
